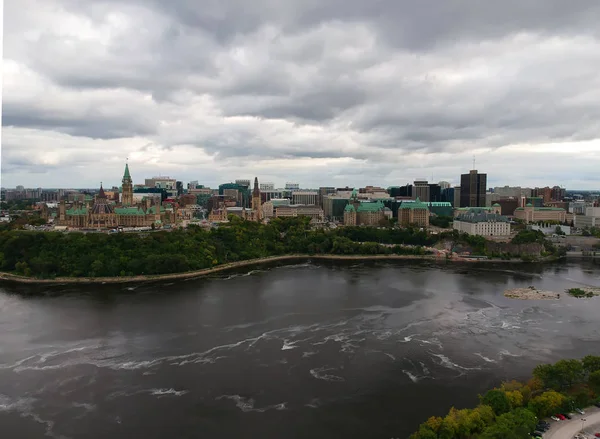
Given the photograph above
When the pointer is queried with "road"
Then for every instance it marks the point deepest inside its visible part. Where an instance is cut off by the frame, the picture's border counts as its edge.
(568, 429)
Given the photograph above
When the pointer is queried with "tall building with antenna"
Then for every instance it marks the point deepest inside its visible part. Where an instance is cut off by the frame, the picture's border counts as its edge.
(473, 187)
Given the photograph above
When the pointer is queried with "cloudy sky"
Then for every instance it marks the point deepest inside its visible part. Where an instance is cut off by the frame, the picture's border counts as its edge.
(336, 92)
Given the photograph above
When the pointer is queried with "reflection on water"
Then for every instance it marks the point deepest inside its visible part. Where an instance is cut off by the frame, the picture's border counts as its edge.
(328, 350)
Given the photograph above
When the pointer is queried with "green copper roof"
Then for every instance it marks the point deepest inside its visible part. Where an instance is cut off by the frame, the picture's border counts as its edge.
(554, 209)
(126, 174)
(349, 208)
(529, 205)
(72, 211)
(129, 211)
(152, 210)
(496, 205)
(417, 204)
(370, 207)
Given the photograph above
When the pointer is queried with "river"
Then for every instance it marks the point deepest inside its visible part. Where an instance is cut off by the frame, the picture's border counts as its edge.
(320, 350)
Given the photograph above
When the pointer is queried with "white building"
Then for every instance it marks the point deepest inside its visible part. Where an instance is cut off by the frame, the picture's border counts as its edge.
(482, 223)
(267, 186)
(314, 212)
(589, 220)
(305, 197)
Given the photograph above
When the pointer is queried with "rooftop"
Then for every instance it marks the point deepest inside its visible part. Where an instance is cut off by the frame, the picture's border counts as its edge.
(370, 207)
(416, 204)
(481, 217)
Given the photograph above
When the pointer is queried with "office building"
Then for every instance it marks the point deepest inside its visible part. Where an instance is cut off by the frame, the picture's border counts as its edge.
(472, 189)
(421, 190)
(305, 197)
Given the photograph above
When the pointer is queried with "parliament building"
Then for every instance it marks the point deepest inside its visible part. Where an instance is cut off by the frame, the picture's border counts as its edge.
(102, 213)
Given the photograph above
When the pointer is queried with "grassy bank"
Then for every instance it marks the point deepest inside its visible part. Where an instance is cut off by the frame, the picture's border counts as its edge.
(229, 266)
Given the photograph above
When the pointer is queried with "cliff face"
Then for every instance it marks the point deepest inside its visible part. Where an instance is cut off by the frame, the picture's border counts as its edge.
(533, 249)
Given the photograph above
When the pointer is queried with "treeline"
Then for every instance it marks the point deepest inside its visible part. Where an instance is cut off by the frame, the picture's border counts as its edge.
(56, 254)
(510, 411)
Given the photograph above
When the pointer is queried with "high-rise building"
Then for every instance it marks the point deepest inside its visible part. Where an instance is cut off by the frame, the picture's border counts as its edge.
(456, 202)
(472, 189)
(444, 185)
(323, 191)
(292, 186)
(421, 190)
(435, 192)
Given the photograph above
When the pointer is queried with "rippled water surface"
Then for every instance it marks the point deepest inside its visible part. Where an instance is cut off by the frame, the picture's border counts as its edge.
(336, 350)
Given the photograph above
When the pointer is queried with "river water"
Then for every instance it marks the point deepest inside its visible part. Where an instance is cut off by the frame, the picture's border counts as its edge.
(352, 350)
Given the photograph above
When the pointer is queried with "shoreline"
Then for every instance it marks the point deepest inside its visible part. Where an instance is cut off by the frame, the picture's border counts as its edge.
(207, 271)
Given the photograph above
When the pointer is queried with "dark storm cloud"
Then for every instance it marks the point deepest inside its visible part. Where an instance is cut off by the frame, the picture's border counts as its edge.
(305, 79)
(87, 125)
(416, 25)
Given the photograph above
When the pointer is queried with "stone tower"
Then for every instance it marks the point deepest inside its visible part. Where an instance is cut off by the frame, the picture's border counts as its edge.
(256, 207)
(127, 184)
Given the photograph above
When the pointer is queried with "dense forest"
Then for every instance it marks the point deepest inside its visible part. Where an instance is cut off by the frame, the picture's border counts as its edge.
(57, 254)
(510, 411)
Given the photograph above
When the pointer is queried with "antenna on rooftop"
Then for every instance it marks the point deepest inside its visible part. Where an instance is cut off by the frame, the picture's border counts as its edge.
(473, 162)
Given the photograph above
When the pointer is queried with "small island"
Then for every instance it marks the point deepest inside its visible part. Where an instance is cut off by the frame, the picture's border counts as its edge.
(583, 292)
(531, 293)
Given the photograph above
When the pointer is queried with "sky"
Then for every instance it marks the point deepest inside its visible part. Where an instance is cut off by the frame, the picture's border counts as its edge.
(322, 93)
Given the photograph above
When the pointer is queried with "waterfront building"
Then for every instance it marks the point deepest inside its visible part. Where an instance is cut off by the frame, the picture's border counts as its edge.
(100, 212)
(482, 223)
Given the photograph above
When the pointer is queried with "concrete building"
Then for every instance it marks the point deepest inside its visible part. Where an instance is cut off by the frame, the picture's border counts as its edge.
(333, 206)
(305, 197)
(589, 220)
(508, 205)
(267, 187)
(421, 190)
(416, 213)
(313, 212)
(550, 229)
(292, 186)
(532, 214)
(512, 191)
(324, 191)
(472, 189)
(482, 223)
(456, 202)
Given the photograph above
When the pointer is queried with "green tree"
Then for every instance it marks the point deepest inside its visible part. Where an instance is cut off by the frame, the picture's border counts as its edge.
(594, 382)
(497, 400)
(547, 403)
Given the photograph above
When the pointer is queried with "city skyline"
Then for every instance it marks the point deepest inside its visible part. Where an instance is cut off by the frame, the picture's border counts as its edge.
(338, 95)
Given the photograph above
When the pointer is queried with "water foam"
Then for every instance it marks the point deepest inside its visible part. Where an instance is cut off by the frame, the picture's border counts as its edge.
(171, 391)
(319, 373)
(484, 358)
(247, 404)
